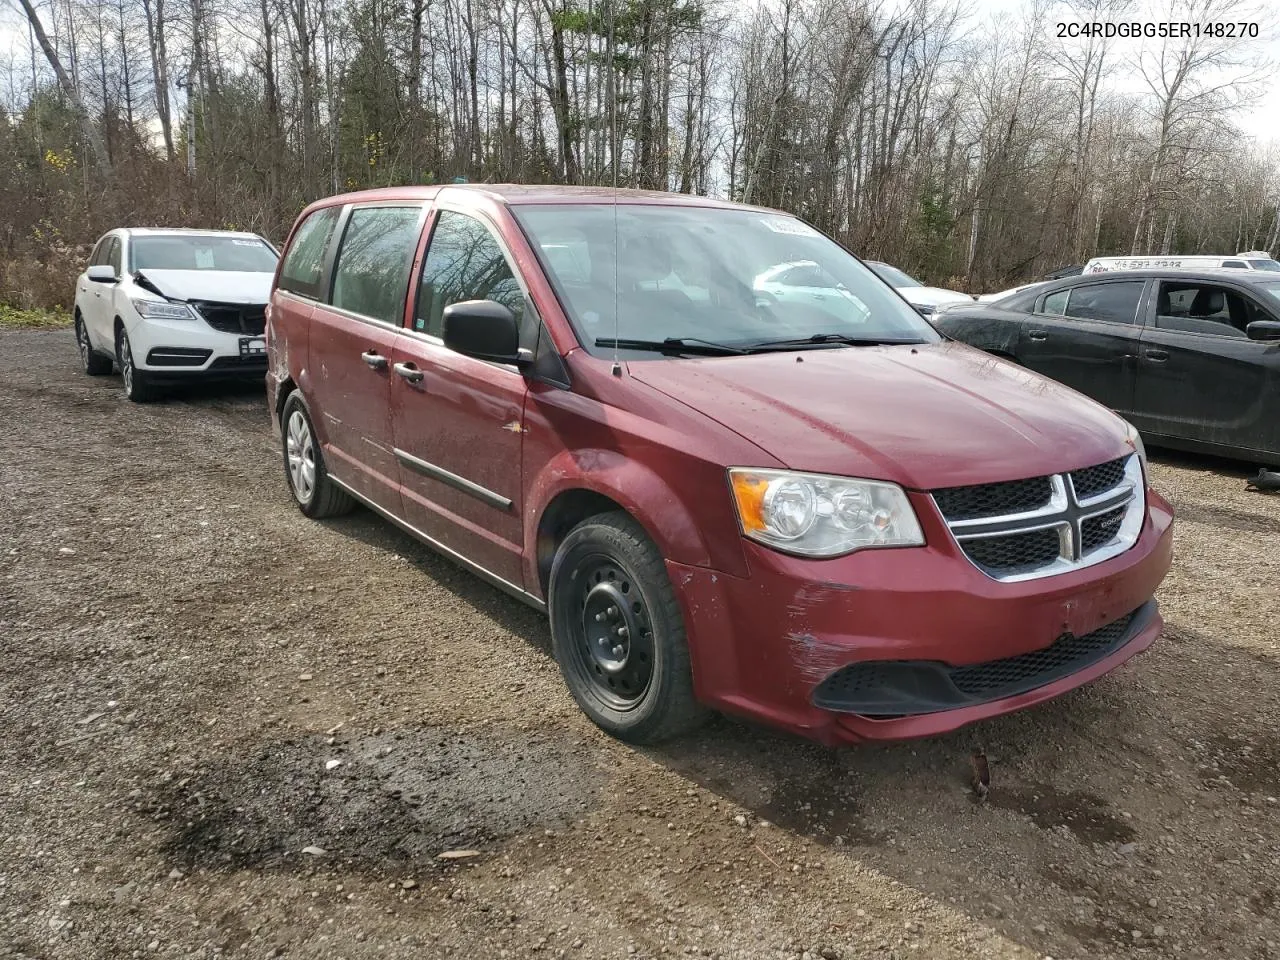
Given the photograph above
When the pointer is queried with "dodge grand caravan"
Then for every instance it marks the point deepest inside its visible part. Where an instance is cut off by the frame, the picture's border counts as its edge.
(811, 511)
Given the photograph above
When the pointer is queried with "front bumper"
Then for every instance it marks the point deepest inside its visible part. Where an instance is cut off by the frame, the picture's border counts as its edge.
(768, 645)
(183, 350)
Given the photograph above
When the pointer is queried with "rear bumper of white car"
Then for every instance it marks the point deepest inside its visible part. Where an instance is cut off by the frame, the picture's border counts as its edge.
(182, 350)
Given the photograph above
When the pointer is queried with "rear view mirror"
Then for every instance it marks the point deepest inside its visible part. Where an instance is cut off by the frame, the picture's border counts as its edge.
(483, 329)
(102, 273)
(1263, 330)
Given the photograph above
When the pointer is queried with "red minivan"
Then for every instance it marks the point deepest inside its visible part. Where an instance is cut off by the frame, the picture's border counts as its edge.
(735, 468)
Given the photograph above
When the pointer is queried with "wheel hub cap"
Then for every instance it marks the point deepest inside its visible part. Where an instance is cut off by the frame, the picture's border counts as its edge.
(301, 455)
(610, 624)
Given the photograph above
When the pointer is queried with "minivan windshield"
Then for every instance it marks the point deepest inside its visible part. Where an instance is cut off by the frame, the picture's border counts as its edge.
(702, 278)
(202, 252)
(893, 276)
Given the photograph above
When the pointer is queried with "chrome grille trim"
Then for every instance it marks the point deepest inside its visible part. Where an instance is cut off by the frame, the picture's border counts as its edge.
(1064, 513)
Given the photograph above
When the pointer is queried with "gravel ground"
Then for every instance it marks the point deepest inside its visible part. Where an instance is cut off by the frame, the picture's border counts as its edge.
(231, 730)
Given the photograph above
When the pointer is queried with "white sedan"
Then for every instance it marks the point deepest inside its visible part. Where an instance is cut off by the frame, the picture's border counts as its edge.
(926, 300)
(169, 306)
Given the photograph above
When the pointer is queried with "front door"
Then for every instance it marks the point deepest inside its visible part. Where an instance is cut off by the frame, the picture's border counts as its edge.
(1200, 377)
(99, 310)
(457, 420)
(353, 336)
(1086, 336)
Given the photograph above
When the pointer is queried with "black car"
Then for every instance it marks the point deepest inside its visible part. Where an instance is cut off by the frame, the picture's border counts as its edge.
(1191, 358)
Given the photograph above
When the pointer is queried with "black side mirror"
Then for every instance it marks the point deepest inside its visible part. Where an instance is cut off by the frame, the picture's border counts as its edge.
(1263, 330)
(483, 329)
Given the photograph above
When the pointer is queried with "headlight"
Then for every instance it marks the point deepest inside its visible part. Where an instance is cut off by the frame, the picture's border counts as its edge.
(163, 310)
(821, 516)
(1134, 439)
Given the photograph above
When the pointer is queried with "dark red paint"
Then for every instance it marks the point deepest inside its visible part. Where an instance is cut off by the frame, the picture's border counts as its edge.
(764, 628)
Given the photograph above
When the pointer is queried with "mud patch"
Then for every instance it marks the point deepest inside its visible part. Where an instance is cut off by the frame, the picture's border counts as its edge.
(394, 799)
(1228, 517)
(1249, 764)
(1084, 814)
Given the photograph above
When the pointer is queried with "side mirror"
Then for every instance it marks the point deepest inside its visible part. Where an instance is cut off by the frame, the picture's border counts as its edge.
(102, 273)
(483, 329)
(1263, 330)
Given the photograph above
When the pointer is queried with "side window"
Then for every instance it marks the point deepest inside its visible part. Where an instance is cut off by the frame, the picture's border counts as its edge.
(1055, 304)
(304, 261)
(99, 255)
(113, 256)
(1202, 308)
(1234, 265)
(1114, 302)
(464, 262)
(371, 276)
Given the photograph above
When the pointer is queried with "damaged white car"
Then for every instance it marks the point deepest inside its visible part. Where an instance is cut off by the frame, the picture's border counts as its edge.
(172, 306)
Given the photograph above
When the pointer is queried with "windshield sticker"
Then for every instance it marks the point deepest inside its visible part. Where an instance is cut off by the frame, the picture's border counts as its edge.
(790, 226)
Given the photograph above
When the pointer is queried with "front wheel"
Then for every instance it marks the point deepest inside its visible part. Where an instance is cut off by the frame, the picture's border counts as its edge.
(137, 387)
(618, 634)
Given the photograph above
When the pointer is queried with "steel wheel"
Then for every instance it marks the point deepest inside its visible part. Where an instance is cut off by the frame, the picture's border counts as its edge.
(301, 454)
(614, 643)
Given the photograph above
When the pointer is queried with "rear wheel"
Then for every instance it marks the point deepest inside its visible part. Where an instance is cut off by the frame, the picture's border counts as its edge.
(618, 633)
(137, 386)
(91, 361)
(315, 494)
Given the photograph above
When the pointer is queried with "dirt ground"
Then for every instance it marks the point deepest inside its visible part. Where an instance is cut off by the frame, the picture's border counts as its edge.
(228, 730)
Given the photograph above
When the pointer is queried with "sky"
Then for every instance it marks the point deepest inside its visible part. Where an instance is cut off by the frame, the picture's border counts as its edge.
(1261, 120)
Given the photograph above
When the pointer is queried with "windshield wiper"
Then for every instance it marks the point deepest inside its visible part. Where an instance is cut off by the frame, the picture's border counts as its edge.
(674, 345)
(838, 339)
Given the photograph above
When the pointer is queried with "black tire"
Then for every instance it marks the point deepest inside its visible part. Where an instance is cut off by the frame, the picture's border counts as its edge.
(137, 387)
(323, 498)
(91, 361)
(603, 560)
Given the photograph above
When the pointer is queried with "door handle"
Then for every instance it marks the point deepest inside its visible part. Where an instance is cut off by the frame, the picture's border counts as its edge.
(1157, 356)
(409, 372)
(374, 359)
(1038, 336)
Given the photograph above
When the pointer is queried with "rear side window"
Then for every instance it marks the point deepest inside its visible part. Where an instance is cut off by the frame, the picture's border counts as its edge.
(372, 272)
(1114, 302)
(1234, 265)
(303, 266)
(1055, 304)
(464, 262)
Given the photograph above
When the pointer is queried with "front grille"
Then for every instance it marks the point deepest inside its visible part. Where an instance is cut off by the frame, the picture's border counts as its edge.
(1020, 551)
(1092, 481)
(1019, 529)
(1065, 655)
(993, 499)
(1100, 530)
(892, 688)
(246, 318)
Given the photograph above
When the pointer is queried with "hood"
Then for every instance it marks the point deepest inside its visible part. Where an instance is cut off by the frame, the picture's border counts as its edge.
(220, 286)
(930, 416)
(932, 296)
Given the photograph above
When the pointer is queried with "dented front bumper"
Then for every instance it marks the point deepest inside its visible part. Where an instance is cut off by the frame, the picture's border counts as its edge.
(763, 645)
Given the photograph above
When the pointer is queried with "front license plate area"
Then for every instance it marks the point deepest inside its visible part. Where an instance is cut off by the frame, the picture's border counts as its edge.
(252, 347)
